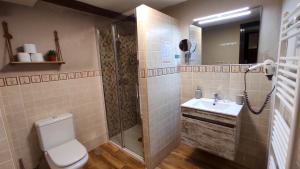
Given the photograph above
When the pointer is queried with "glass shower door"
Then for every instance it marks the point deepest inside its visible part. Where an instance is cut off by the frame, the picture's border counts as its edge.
(119, 67)
(125, 38)
(110, 84)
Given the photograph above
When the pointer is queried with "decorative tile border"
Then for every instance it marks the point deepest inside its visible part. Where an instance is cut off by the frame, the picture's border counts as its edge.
(13, 80)
(2, 82)
(237, 68)
(36, 79)
(63, 76)
(144, 73)
(24, 80)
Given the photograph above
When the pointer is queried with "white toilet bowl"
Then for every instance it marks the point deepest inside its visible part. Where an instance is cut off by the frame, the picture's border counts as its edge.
(57, 140)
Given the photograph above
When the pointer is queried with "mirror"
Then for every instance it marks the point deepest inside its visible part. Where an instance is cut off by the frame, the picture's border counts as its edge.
(231, 37)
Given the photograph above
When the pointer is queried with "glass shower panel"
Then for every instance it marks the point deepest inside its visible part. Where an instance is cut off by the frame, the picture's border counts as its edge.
(110, 84)
(126, 52)
(119, 65)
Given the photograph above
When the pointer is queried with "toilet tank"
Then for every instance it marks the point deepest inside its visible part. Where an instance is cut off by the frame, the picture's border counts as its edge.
(55, 131)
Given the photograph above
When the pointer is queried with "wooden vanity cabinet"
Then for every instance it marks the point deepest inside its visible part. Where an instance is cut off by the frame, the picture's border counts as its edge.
(213, 132)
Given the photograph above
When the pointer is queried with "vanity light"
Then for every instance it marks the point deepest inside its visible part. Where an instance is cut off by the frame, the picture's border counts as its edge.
(225, 17)
(221, 14)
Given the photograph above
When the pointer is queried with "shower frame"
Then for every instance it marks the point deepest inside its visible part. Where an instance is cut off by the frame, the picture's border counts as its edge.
(120, 89)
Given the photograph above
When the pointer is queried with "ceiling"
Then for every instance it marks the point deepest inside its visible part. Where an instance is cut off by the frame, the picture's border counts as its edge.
(23, 2)
(126, 5)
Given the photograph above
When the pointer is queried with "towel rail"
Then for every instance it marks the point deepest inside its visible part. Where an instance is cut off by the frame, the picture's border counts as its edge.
(286, 88)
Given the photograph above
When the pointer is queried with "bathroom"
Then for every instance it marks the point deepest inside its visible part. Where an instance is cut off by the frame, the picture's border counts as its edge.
(117, 82)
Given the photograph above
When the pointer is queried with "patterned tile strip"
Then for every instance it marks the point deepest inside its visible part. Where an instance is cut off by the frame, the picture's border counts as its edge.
(218, 68)
(28, 79)
(13, 80)
(158, 72)
(236, 68)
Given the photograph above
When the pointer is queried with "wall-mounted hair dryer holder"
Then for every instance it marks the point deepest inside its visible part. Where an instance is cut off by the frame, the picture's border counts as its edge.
(268, 69)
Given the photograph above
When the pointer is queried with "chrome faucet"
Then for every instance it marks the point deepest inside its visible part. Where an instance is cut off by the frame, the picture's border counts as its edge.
(216, 97)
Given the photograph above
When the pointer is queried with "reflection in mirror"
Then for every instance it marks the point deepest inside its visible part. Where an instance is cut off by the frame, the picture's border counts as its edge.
(227, 38)
(185, 46)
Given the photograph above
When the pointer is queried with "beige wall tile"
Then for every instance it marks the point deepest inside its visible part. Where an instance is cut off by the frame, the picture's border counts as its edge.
(254, 127)
(82, 97)
(22, 105)
(161, 94)
(7, 165)
(5, 149)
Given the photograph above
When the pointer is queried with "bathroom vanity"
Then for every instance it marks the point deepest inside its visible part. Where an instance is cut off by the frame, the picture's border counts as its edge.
(212, 127)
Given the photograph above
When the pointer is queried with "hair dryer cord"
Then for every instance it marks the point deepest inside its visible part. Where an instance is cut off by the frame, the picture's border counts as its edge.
(247, 98)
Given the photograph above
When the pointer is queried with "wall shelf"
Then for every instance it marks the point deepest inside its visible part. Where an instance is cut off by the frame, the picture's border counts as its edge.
(46, 62)
(14, 61)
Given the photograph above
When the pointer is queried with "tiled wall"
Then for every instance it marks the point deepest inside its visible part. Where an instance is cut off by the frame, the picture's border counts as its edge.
(228, 81)
(6, 160)
(159, 83)
(32, 92)
(24, 103)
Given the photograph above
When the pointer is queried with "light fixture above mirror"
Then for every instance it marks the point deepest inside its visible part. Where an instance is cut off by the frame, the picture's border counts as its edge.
(223, 16)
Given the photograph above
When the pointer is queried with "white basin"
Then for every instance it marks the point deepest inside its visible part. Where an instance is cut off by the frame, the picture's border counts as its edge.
(222, 106)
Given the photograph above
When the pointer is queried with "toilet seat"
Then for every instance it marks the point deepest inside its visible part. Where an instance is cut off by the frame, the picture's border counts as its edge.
(67, 155)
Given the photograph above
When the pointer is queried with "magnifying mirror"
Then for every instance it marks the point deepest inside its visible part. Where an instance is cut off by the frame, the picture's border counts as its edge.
(185, 45)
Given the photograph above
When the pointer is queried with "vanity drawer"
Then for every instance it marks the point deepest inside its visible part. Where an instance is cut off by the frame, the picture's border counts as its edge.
(213, 136)
(209, 115)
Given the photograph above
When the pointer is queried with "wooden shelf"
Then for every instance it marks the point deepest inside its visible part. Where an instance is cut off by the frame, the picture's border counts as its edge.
(46, 62)
(8, 37)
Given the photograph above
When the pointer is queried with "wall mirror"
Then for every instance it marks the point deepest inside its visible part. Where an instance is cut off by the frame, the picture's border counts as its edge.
(230, 37)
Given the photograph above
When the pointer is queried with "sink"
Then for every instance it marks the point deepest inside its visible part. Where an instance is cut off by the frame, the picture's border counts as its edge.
(213, 128)
(225, 107)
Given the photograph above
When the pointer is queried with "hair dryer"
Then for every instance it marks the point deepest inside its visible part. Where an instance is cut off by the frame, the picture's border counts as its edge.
(268, 68)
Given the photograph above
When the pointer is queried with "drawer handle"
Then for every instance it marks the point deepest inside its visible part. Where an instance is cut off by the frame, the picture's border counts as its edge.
(209, 121)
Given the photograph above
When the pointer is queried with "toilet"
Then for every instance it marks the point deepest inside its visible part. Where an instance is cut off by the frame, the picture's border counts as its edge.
(57, 141)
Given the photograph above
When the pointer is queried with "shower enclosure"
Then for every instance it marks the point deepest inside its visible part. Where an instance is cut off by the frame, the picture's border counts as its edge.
(119, 65)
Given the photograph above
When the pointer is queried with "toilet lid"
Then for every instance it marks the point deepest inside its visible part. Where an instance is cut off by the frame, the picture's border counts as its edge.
(67, 153)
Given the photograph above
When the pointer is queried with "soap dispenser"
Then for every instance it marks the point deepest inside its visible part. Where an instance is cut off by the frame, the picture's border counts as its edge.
(198, 93)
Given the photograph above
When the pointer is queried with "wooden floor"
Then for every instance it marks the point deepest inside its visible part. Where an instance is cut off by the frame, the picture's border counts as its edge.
(111, 157)
(183, 157)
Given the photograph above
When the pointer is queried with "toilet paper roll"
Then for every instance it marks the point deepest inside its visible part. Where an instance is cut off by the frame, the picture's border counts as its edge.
(23, 57)
(29, 48)
(37, 57)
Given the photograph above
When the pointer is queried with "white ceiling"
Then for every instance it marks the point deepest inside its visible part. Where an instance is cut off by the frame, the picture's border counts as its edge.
(126, 5)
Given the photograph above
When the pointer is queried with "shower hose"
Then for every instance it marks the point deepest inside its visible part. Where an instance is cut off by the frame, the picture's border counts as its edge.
(247, 98)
